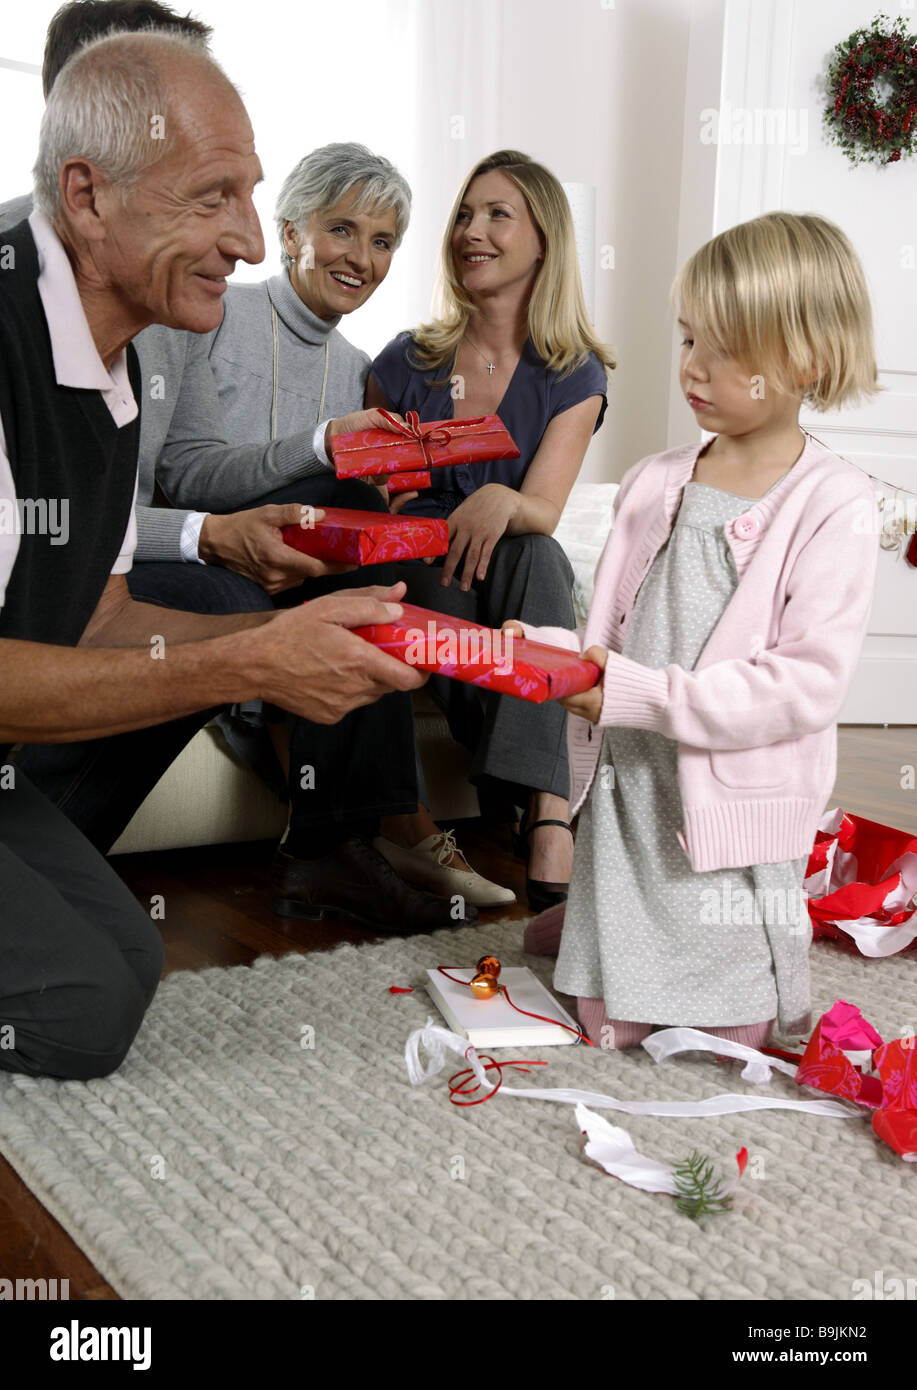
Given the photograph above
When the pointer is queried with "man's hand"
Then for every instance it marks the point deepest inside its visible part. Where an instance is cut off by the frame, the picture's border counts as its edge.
(358, 420)
(251, 544)
(306, 660)
(475, 527)
(588, 703)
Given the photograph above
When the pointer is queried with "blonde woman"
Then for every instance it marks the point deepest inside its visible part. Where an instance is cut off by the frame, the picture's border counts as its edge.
(512, 339)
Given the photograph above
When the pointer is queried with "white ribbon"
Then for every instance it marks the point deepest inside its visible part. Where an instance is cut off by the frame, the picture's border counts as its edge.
(438, 1041)
(758, 1066)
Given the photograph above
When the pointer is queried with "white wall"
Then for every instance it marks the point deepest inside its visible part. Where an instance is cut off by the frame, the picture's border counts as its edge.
(594, 88)
(596, 92)
(771, 55)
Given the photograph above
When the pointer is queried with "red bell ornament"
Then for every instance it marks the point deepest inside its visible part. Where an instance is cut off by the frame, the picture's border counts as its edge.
(489, 965)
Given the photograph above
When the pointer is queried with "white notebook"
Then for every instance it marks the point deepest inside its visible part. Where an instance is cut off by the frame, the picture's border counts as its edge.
(492, 1022)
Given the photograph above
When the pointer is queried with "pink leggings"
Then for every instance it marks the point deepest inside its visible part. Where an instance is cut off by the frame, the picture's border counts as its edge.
(542, 938)
(618, 1034)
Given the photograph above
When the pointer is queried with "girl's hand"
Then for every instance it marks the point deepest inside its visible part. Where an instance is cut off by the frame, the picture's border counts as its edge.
(516, 628)
(588, 703)
(475, 527)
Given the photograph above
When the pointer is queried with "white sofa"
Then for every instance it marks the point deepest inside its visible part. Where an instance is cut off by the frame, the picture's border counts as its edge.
(208, 797)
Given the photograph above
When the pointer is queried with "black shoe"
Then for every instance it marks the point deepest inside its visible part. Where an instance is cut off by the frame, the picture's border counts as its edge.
(357, 881)
(541, 895)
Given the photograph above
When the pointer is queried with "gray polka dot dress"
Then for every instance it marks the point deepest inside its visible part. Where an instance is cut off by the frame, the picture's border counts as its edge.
(660, 943)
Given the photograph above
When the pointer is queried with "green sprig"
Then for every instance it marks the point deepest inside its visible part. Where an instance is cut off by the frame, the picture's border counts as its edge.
(700, 1192)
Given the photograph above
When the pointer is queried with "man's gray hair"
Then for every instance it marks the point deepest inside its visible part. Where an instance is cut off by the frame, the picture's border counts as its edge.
(322, 178)
(110, 104)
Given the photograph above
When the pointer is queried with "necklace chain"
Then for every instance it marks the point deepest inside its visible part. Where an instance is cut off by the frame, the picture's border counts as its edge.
(491, 368)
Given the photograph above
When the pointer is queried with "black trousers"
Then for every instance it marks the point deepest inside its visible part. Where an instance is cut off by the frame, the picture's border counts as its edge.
(517, 747)
(80, 959)
(343, 777)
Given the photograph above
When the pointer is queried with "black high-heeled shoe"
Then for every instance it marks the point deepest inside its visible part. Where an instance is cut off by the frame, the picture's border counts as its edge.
(540, 893)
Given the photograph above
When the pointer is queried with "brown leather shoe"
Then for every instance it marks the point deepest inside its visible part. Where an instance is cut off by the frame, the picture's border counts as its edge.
(357, 881)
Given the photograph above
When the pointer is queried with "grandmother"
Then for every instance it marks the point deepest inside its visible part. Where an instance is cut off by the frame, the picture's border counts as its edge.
(289, 380)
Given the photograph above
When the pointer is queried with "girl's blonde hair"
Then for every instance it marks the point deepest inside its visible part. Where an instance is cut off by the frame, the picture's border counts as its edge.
(558, 323)
(785, 296)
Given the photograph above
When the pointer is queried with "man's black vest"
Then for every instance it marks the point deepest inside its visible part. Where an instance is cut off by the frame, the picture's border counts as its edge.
(62, 444)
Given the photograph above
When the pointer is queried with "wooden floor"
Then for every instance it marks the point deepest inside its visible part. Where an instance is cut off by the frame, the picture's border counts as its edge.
(217, 913)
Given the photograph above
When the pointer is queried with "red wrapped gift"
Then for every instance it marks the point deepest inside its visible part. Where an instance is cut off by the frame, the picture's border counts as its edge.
(896, 1121)
(415, 448)
(368, 538)
(840, 1058)
(861, 882)
(481, 656)
(408, 482)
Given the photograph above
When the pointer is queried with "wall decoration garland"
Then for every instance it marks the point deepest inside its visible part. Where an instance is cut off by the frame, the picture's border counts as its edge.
(874, 126)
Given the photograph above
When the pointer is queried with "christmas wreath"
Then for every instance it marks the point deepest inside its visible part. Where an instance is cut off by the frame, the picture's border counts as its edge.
(870, 130)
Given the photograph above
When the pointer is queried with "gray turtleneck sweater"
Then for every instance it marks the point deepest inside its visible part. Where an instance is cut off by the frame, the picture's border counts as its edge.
(209, 446)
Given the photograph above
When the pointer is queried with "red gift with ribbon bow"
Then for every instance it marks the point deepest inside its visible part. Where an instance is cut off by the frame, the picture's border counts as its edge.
(412, 448)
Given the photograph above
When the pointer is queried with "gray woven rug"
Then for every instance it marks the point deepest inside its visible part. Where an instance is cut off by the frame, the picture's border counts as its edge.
(227, 1160)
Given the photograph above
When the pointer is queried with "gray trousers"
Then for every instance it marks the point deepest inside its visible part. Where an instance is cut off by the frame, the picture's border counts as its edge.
(514, 743)
(80, 959)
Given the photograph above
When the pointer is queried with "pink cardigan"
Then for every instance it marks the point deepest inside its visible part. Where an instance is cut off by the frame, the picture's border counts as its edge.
(755, 721)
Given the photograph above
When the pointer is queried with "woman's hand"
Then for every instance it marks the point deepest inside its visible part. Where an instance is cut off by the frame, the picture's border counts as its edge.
(474, 529)
(588, 703)
(358, 420)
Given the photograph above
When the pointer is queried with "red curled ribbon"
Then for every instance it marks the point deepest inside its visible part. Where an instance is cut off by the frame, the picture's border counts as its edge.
(459, 1082)
(411, 428)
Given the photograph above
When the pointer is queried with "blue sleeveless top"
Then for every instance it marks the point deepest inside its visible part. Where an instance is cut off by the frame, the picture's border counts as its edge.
(534, 396)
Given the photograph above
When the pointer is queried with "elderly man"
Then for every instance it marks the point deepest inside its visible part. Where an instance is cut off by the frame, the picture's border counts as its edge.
(363, 767)
(129, 229)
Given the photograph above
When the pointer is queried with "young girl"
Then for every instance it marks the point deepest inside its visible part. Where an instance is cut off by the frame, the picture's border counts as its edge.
(730, 604)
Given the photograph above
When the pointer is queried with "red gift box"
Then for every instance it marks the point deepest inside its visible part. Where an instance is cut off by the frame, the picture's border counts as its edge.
(368, 538)
(861, 881)
(480, 656)
(411, 447)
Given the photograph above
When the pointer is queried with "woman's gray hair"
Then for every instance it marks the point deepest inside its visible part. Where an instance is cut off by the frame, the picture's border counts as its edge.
(104, 107)
(322, 178)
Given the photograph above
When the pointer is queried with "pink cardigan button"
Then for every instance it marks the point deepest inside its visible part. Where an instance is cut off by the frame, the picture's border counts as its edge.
(746, 527)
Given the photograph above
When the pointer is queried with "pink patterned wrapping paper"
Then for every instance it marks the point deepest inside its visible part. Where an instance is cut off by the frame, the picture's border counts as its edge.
(408, 482)
(481, 656)
(845, 1056)
(369, 538)
(415, 448)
